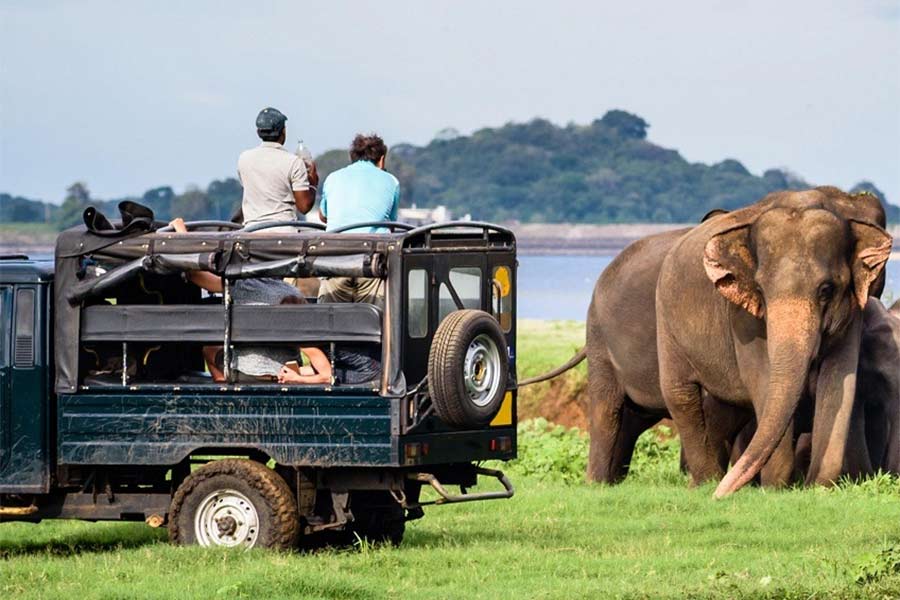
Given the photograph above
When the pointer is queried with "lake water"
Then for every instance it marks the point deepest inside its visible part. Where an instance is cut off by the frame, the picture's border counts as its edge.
(560, 287)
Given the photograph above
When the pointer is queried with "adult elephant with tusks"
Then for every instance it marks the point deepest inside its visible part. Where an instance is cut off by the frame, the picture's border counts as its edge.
(760, 306)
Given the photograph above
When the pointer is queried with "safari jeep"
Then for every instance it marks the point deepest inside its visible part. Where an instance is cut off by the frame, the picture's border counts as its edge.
(107, 411)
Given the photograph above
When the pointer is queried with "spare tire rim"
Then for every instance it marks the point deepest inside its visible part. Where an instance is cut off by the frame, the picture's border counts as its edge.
(226, 518)
(481, 370)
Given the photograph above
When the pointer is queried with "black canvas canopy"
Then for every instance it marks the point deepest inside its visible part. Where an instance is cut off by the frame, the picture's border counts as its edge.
(90, 267)
(94, 260)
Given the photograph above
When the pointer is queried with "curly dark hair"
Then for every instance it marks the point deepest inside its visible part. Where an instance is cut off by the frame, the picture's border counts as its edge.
(367, 147)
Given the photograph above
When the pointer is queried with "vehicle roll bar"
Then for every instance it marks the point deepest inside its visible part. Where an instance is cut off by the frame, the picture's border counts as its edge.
(200, 225)
(392, 225)
(461, 225)
(297, 224)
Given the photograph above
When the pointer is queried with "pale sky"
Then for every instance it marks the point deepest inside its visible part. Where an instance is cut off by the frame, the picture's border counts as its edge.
(131, 95)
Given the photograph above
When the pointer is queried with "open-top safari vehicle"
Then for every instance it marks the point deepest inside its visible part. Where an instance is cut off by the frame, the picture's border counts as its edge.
(107, 413)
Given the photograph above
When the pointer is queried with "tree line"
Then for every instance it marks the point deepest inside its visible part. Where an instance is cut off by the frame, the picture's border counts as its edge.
(603, 172)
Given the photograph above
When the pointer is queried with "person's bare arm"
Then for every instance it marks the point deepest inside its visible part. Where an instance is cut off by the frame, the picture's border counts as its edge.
(288, 375)
(320, 367)
(204, 279)
(318, 360)
(305, 199)
(209, 355)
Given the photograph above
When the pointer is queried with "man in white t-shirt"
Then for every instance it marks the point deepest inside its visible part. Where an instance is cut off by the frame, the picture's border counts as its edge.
(277, 183)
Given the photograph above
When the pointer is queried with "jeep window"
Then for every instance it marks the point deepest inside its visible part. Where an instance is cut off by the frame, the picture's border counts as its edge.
(501, 290)
(6, 315)
(24, 352)
(466, 282)
(417, 305)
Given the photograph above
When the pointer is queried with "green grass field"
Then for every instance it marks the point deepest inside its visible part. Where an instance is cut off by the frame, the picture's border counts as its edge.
(650, 537)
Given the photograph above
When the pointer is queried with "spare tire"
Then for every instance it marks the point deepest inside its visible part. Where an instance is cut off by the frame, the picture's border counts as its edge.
(468, 367)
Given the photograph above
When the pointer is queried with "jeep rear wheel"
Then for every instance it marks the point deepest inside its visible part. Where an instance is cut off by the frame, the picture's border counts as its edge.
(234, 503)
(468, 368)
(377, 517)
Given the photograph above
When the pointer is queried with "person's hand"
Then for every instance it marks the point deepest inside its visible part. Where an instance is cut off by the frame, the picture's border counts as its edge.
(178, 225)
(312, 174)
(287, 375)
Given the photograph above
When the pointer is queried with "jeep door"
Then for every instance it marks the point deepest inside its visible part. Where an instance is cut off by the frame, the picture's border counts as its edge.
(5, 375)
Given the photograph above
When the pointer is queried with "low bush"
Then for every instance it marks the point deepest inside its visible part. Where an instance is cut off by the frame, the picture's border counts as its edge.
(657, 457)
(550, 452)
(873, 567)
(553, 453)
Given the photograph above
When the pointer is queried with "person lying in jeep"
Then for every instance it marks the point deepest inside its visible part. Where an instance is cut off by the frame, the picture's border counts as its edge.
(259, 364)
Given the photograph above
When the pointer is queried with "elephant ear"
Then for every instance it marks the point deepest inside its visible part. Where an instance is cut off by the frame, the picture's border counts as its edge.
(730, 265)
(871, 251)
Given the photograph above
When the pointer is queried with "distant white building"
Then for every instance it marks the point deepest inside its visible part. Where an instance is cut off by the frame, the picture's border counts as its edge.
(413, 215)
(426, 216)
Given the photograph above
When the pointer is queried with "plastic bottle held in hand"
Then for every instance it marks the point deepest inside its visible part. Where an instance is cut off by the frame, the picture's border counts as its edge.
(304, 153)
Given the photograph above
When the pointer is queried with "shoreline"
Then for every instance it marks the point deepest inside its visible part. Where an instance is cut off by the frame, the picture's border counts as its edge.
(544, 239)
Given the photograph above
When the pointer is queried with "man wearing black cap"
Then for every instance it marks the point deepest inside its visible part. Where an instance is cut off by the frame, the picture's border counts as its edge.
(276, 182)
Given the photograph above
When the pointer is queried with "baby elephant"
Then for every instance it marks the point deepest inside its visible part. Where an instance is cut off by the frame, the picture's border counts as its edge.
(874, 442)
(878, 387)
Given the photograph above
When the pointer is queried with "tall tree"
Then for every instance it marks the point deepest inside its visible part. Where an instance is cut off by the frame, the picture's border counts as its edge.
(78, 197)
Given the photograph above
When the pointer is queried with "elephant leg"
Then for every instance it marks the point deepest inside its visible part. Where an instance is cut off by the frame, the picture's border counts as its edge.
(634, 423)
(892, 454)
(802, 450)
(858, 461)
(685, 404)
(723, 423)
(877, 434)
(606, 404)
(779, 468)
(742, 439)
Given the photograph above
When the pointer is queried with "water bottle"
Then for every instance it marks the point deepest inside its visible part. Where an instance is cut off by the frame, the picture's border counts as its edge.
(304, 153)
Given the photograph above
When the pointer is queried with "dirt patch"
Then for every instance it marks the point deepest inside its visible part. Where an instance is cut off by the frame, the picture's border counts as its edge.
(562, 400)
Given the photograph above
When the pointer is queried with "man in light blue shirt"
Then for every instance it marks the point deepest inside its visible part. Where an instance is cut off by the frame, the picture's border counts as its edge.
(359, 193)
(362, 191)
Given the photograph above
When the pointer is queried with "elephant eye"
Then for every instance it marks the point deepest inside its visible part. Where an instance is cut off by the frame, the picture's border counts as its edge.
(826, 292)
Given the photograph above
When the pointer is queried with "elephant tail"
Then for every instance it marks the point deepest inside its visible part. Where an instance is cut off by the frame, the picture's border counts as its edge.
(575, 360)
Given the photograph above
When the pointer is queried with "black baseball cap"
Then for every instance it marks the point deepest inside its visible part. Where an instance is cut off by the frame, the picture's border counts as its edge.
(270, 120)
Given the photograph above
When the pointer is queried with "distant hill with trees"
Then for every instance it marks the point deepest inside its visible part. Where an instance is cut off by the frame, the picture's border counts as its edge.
(603, 172)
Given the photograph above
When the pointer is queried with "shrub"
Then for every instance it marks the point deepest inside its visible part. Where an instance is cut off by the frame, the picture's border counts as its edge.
(553, 453)
(657, 457)
(875, 566)
(550, 452)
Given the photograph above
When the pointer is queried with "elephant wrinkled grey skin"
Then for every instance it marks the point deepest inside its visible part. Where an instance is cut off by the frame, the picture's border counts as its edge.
(878, 389)
(623, 374)
(623, 379)
(875, 424)
(790, 277)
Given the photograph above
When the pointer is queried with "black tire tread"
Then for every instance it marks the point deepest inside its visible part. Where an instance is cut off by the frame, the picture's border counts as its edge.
(270, 485)
(378, 517)
(437, 360)
(444, 359)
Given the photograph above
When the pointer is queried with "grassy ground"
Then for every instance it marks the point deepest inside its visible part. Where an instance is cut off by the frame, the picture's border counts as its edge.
(639, 539)
(543, 345)
(650, 537)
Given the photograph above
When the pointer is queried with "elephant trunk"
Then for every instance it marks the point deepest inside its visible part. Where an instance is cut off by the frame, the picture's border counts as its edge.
(792, 341)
